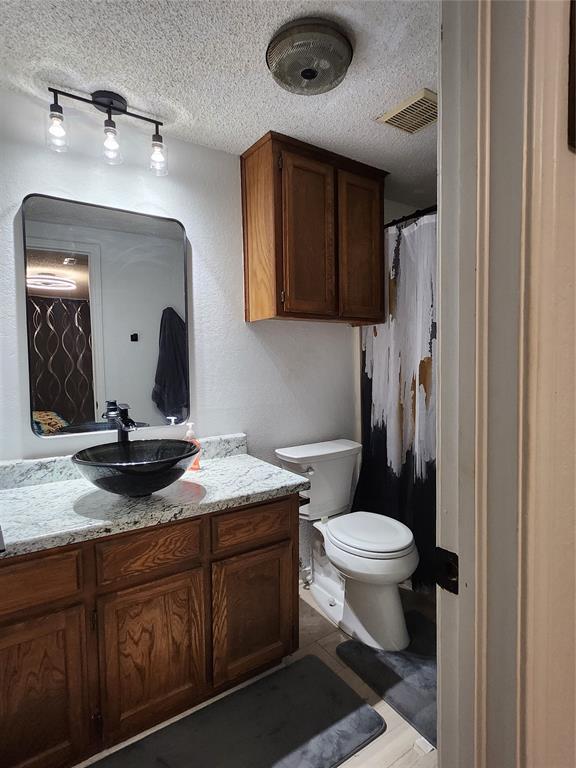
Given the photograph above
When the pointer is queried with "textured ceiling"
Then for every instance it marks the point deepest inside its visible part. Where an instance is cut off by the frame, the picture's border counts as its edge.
(201, 67)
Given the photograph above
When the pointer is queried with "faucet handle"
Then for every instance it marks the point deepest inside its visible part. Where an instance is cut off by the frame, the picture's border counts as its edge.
(123, 414)
(111, 408)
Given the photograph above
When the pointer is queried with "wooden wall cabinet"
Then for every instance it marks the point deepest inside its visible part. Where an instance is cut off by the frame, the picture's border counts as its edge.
(313, 234)
(102, 640)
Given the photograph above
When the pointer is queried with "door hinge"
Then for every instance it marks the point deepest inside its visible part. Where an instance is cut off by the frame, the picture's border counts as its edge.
(98, 722)
(447, 575)
(94, 620)
(282, 297)
(280, 162)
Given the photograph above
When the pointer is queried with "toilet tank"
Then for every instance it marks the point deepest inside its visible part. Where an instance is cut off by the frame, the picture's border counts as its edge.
(331, 467)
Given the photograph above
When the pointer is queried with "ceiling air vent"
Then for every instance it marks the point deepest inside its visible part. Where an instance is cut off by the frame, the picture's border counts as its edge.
(413, 114)
(309, 56)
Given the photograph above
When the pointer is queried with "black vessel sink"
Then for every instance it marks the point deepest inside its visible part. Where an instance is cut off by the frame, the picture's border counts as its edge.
(136, 468)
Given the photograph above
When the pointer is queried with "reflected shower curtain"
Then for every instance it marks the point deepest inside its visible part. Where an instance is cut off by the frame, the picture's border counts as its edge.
(60, 350)
(398, 475)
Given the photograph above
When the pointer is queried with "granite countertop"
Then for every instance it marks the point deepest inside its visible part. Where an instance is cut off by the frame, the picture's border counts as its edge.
(54, 514)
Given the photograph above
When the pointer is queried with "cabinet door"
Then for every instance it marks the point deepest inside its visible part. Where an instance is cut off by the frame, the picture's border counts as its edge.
(43, 710)
(251, 611)
(308, 236)
(360, 247)
(151, 652)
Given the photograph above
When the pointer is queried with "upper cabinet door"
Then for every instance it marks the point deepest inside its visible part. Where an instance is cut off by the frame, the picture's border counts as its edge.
(361, 257)
(308, 236)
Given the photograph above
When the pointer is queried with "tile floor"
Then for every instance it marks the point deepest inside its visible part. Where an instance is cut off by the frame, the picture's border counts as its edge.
(400, 746)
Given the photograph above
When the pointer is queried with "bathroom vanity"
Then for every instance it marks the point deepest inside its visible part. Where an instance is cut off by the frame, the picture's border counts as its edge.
(117, 613)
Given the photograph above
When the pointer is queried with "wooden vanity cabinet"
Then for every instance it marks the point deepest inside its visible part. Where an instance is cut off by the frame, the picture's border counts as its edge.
(152, 652)
(102, 640)
(313, 234)
(44, 716)
(251, 611)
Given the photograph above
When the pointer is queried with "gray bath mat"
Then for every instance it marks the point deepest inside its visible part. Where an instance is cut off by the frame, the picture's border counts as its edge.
(303, 716)
(404, 679)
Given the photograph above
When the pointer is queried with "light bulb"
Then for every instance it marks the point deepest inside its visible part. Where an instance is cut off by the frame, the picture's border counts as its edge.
(56, 128)
(111, 142)
(158, 159)
(112, 154)
(56, 136)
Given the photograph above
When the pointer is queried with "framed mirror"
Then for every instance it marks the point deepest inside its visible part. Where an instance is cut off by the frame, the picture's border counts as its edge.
(106, 315)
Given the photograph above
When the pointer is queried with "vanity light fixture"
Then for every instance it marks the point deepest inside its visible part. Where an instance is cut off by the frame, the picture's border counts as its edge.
(111, 104)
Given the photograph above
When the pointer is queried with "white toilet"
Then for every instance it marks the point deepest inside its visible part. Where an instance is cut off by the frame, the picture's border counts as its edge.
(355, 568)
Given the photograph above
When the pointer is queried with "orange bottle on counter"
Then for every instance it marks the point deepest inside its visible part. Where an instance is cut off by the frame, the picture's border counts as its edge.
(191, 438)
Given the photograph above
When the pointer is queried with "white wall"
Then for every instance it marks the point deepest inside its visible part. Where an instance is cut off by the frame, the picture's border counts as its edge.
(140, 275)
(282, 382)
(394, 210)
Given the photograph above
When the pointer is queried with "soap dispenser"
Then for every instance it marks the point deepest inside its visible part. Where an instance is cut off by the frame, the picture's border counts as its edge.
(191, 438)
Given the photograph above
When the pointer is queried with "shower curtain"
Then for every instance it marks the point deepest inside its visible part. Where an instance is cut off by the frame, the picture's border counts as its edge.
(398, 475)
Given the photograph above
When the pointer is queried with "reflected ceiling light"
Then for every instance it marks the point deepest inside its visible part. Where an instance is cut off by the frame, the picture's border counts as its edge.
(112, 104)
(49, 280)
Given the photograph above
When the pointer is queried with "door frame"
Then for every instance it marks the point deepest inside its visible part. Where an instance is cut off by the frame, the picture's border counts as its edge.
(482, 145)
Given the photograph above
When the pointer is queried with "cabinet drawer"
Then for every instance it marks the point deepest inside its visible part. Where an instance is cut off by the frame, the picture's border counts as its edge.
(38, 581)
(251, 527)
(148, 551)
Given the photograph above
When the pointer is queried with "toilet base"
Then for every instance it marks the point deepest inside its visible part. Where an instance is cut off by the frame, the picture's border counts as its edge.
(329, 599)
(373, 614)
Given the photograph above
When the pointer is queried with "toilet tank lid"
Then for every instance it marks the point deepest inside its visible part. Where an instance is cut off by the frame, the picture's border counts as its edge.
(330, 449)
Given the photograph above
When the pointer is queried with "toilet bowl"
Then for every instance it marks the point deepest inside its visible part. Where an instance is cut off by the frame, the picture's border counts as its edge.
(373, 554)
(355, 561)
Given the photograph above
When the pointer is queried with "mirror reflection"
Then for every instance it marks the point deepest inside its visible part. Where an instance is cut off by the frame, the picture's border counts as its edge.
(106, 314)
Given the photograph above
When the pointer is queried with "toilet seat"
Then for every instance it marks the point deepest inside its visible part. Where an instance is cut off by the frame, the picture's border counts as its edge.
(369, 535)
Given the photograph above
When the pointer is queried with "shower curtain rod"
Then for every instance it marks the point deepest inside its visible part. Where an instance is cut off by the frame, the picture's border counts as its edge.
(415, 215)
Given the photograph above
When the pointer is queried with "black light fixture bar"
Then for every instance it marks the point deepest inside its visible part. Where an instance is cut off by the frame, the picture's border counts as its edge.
(106, 101)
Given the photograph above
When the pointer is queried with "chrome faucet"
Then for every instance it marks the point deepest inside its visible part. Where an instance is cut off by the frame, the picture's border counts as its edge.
(117, 417)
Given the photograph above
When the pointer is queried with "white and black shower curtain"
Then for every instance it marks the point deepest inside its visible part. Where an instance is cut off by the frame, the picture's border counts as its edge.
(398, 475)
